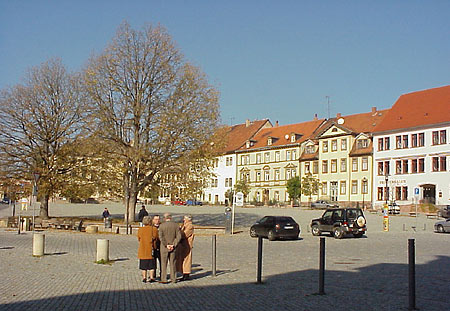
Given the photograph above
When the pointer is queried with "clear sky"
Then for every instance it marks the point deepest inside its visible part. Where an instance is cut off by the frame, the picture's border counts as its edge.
(269, 59)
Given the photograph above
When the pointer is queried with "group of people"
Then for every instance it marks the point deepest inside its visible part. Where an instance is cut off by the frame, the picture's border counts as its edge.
(165, 242)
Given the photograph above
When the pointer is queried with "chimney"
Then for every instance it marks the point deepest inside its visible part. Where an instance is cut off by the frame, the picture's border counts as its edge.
(374, 109)
(315, 117)
(276, 123)
(338, 115)
(247, 123)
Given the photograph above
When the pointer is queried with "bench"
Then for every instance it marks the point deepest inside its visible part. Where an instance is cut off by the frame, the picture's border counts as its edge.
(432, 215)
(373, 211)
(413, 214)
(13, 222)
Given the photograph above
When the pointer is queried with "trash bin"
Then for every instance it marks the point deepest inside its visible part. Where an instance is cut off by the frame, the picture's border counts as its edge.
(228, 220)
(108, 223)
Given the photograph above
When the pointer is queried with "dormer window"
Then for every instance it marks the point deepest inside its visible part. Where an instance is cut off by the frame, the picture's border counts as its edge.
(247, 144)
(269, 141)
(293, 138)
(362, 143)
(310, 149)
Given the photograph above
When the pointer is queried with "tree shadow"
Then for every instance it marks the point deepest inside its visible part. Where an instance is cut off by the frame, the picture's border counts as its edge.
(119, 259)
(373, 287)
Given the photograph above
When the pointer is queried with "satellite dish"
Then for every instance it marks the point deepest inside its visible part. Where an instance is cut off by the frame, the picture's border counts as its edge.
(286, 136)
(341, 121)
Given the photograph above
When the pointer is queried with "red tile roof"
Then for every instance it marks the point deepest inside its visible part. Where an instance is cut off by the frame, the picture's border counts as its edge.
(303, 130)
(237, 135)
(420, 108)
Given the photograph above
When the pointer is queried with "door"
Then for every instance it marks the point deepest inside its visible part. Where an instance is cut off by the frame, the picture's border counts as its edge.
(334, 191)
(429, 194)
(326, 222)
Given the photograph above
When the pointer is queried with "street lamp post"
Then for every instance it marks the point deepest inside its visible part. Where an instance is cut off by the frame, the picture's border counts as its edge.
(364, 180)
(386, 179)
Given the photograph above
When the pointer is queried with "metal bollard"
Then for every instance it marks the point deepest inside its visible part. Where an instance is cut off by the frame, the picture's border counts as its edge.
(322, 267)
(38, 244)
(259, 269)
(214, 248)
(412, 274)
(103, 250)
(404, 227)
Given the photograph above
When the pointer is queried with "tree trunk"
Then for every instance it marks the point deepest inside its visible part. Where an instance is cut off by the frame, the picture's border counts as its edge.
(43, 212)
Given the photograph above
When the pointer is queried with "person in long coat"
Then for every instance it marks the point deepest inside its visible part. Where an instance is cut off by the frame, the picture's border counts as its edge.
(170, 236)
(184, 251)
(147, 237)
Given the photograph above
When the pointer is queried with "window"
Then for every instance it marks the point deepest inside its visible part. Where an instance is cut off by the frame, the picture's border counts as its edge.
(288, 155)
(414, 140)
(334, 145)
(435, 161)
(325, 146)
(230, 161)
(277, 156)
(294, 155)
(316, 167)
(361, 143)
(380, 194)
(380, 168)
(258, 176)
(226, 182)
(324, 188)
(364, 187)
(398, 193)
(354, 164)
(398, 142)
(258, 158)
(405, 167)
(380, 144)
(387, 143)
(421, 140)
(343, 187)
(310, 149)
(435, 138)
(267, 157)
(439, 164)
(343, 165)
(398, 167)
(364, 163)
(443, 137)
(387, 167)
(405, 141)
(404, 193)
(229, 182)
(277, 174)
(307, 167)
(354, 187)
(288, 174)
(344, 144)
(277, 196)
(247, 176)
(324, 166)
(245, 159)
(334, 166)
(269, 141)
(421, 165)
(214, 183)
(266, 175)
(414, 166)
(293, 138)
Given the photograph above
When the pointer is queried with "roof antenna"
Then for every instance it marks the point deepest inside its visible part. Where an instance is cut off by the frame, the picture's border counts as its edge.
(328, 105)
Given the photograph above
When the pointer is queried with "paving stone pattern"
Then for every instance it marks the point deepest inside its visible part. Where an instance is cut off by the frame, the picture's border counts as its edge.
(370, 273)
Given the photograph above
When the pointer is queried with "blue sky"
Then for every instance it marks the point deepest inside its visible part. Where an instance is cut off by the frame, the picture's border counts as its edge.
(269, 59)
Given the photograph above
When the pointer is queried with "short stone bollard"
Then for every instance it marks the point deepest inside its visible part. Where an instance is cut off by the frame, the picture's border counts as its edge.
(102, 250)
(91, 229)
(38, 244)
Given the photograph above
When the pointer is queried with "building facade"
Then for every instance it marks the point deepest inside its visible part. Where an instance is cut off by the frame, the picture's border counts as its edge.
(412, 150)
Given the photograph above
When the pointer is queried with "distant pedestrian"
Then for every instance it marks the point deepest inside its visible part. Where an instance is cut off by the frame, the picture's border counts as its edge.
(170, 236)
(147, 237)
(184, 249)
(106, 216)
(142, 213)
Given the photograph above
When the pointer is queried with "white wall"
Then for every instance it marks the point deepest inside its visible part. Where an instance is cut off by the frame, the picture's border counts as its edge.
(221, 172)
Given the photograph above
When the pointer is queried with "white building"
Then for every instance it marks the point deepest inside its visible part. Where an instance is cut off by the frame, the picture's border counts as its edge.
(412, 148)
(225, 168)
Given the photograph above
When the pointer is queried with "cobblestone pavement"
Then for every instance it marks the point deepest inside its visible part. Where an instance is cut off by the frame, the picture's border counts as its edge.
(370, 273)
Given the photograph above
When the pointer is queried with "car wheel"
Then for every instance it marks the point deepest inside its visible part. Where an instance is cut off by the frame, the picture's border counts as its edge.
(253, 233)
(338, 233)
(271, 235)
(358, 235)
(440, 229)
(315, 230)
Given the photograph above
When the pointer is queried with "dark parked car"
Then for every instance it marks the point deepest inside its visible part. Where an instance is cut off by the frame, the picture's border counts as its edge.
(442, 226)
(194, 202)
(339, 221)
(274, 227)
(5, 201)
(323, 204)
(444, 211)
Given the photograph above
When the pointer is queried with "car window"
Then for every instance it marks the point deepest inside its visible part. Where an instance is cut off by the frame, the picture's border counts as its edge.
(283, 220)
(337, 214)
(327, 214)
(263, 220)
(353, 213)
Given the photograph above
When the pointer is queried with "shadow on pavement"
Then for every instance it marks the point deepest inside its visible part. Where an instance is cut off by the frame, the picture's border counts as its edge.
(374, 287)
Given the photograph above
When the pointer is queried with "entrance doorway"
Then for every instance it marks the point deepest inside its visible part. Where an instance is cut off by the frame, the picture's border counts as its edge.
(334, 191)
(429, 193)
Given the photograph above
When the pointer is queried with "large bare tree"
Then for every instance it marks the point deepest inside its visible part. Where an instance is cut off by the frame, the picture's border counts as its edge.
(156, 111)
(40, 120)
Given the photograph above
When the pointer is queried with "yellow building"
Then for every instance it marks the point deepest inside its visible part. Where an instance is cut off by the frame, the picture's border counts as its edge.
(340, 157)
(270, 159)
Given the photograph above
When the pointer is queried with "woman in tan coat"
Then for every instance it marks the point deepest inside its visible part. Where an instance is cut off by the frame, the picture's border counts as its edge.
(147, 237)
(184, 250)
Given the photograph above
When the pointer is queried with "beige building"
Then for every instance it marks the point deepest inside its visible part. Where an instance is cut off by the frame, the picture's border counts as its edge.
(270, 159)
(340, 157)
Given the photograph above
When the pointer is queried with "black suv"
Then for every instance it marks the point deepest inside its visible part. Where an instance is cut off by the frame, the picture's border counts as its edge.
(339, 221)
